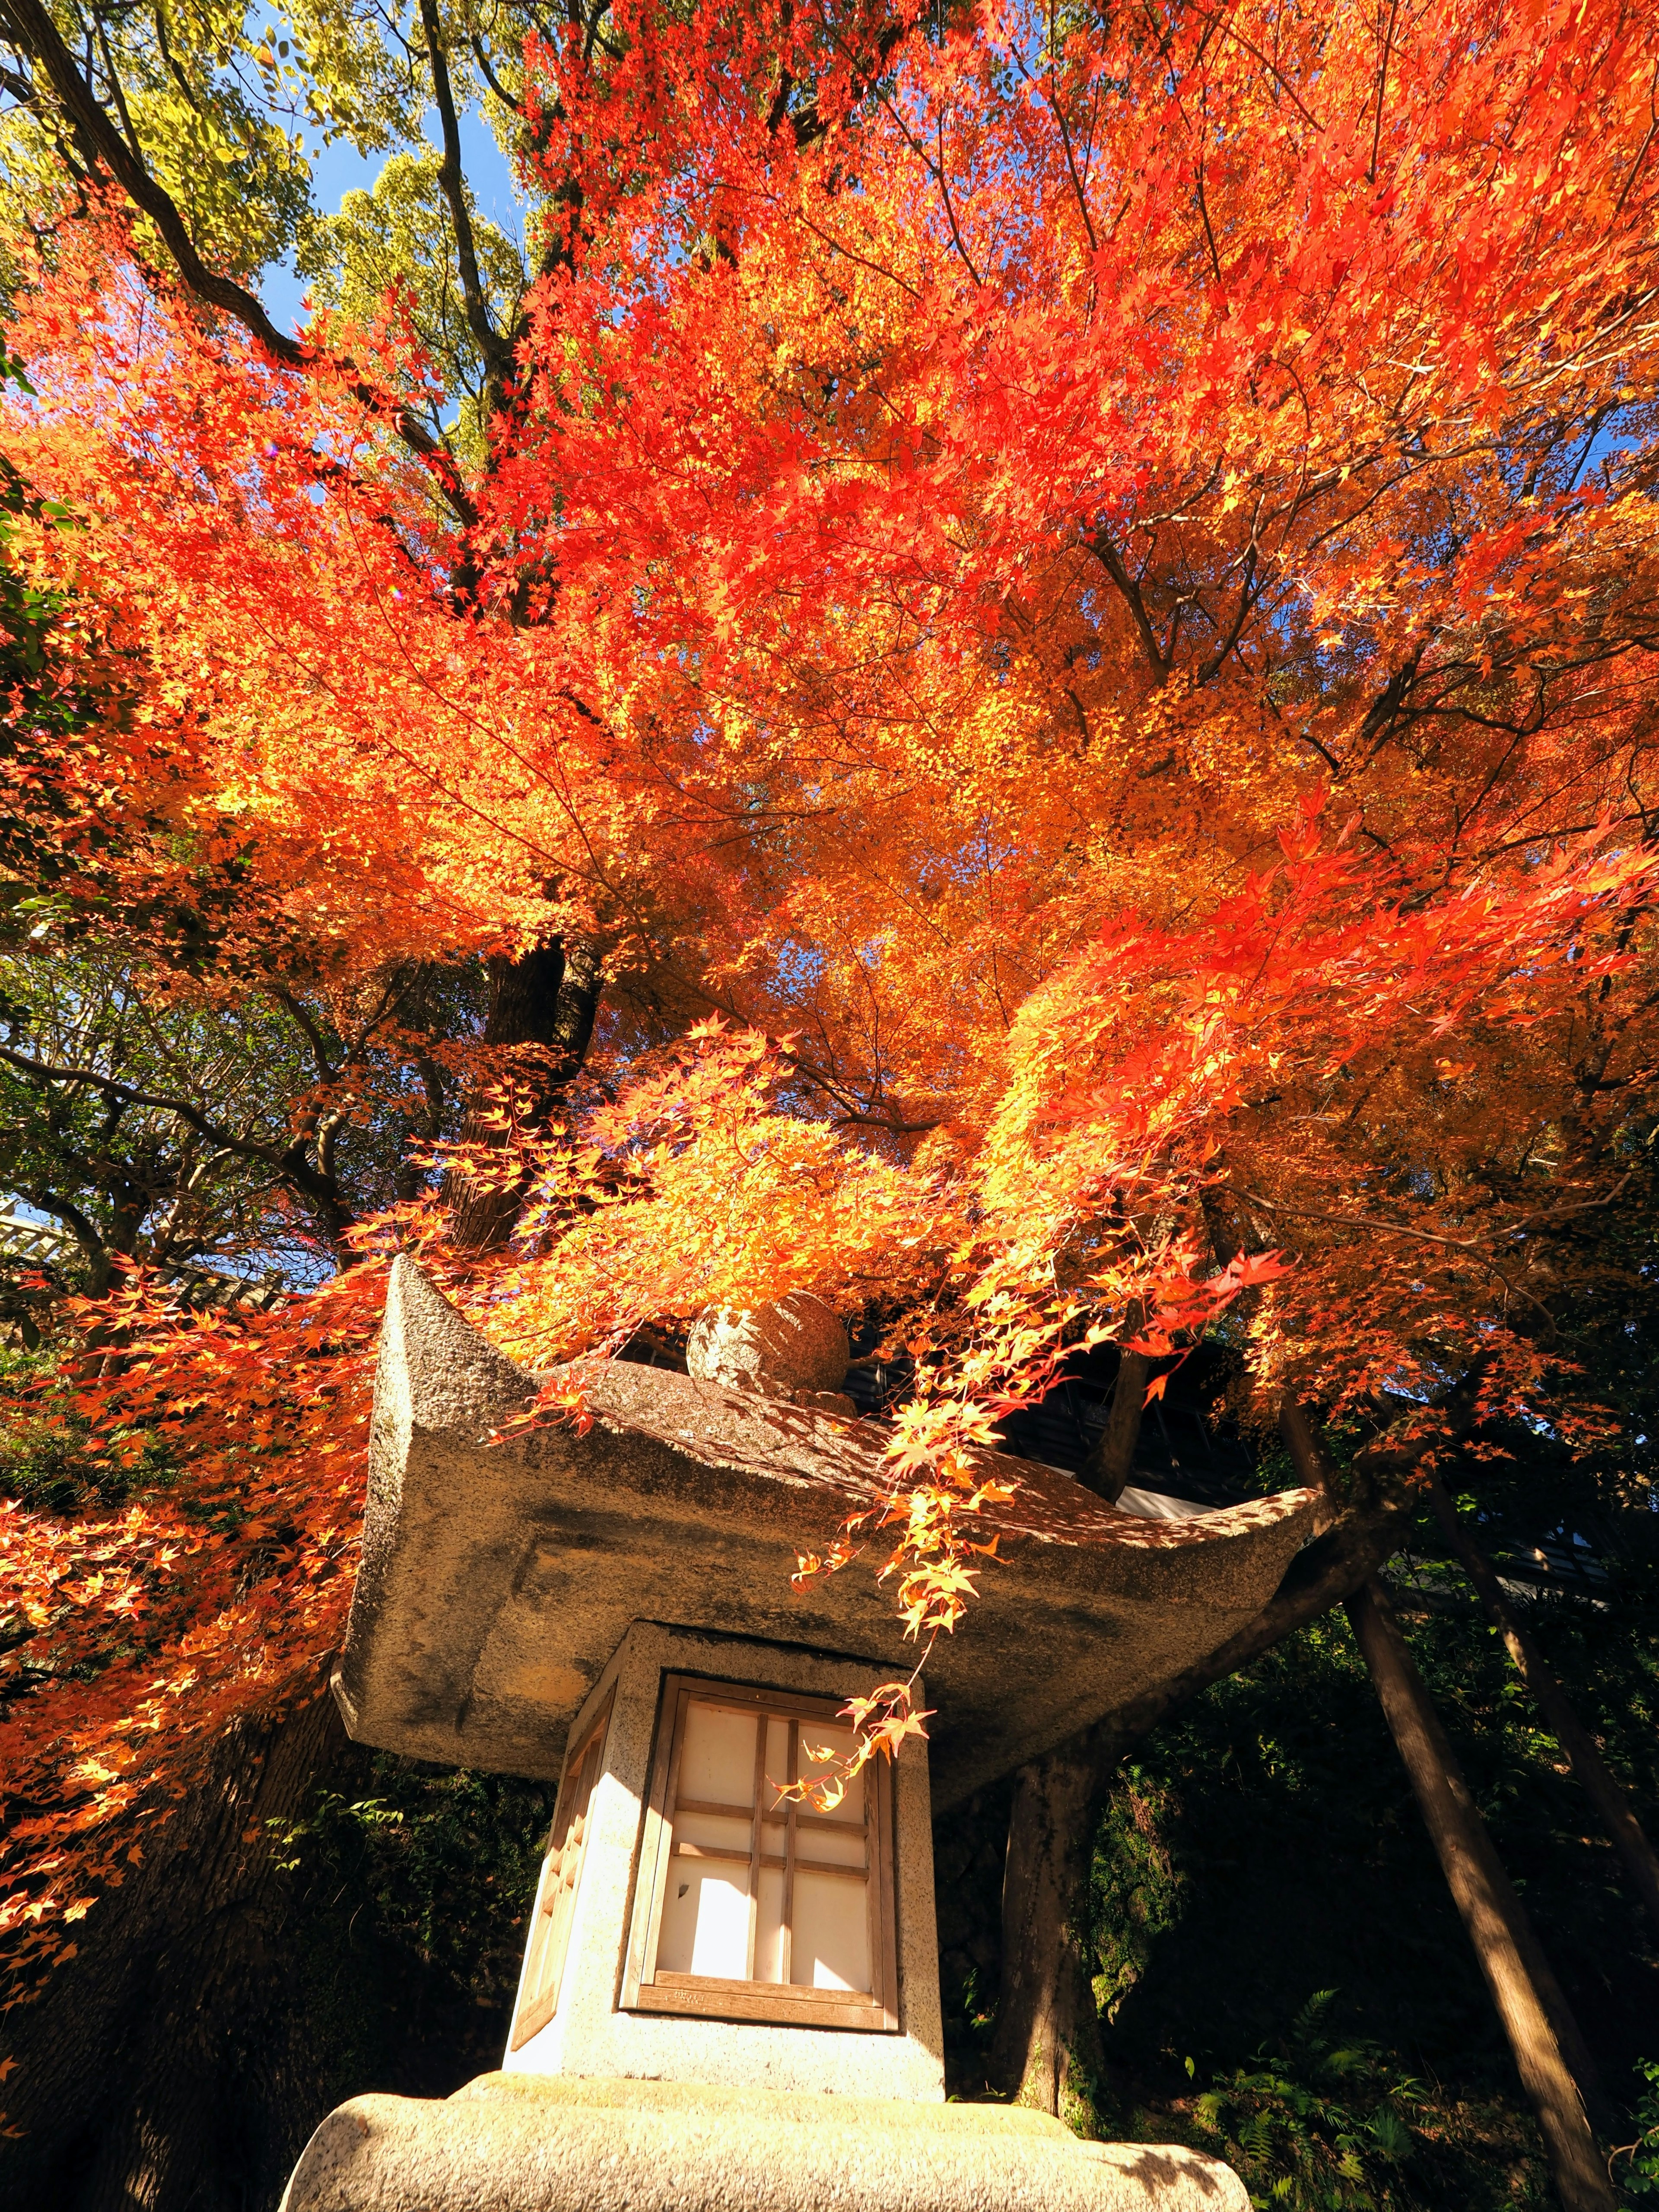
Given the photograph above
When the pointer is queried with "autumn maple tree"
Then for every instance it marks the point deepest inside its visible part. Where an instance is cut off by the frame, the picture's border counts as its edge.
(1043, 622)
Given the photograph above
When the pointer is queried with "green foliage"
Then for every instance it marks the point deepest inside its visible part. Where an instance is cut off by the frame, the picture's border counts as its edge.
(127, 1177)
(29, 615)
(48, 1463)
(412, 1889)
(220, 101)
(51, 684)
(1137, 1888)
(192, 98)
(445, 1860)
(400, 238)
(1636, 2165)
(229, 102)
(245, 1108)
(1319, 2126)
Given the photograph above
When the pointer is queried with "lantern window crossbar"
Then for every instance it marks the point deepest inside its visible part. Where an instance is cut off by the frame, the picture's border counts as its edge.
(751, 1905)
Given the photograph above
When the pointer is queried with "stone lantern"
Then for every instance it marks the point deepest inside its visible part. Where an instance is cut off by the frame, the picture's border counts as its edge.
(730, 1996)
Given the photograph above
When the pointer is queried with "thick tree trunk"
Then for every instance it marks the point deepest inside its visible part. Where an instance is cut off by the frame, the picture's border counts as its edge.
(1641, 1862)
(1109, 1465)
(542, 1011)
(1529, 2002)
(1047, 2050)
(170, 2066)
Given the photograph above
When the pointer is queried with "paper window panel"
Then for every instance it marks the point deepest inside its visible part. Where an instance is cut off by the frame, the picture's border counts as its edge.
(748, 1905)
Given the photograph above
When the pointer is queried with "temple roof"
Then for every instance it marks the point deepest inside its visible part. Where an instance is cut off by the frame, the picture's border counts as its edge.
(498, 1578)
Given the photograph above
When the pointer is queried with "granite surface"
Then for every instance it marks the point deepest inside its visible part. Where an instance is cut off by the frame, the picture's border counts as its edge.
(529, 2143)
(498, 1578)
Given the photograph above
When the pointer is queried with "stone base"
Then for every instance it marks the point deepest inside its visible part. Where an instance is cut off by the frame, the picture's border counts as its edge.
(551, 2143)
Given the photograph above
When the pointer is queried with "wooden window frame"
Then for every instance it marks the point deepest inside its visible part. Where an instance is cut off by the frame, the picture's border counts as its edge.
(547, 1927)
(781, 2004)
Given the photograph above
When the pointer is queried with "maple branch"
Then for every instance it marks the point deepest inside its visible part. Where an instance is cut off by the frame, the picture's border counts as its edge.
(1227, 31)
(1077, 193)
(1248, 593)
(945, 193)
(1112, 560)
(1400, 1228)
(1204, 211)
(780, 108)
(892, 1122)
(1381, 88)
(809, 124)
(1383, 711)
(1642, 150)
(104, 147)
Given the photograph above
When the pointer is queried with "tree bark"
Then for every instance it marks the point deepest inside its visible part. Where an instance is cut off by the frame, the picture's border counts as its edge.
(1109, 1465)
(1046, 2046)
(1047, 2050)
(1530, 2001)
(542, 1011)
(1641, 1862)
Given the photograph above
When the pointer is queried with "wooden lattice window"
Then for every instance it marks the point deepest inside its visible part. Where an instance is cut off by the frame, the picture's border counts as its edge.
(750, 1905)
(555, 1892)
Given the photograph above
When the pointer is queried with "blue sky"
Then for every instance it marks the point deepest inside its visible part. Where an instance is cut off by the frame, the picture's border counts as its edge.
(340, 169)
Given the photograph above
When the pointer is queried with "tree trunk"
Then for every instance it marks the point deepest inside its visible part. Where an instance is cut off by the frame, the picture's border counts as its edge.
(1641, 1862)
(1529, 1999)
(170, 2065)
(1047, 2047)
(1109, 1465)
(542, 1011)
(1047, 2051)
(1312, 1467)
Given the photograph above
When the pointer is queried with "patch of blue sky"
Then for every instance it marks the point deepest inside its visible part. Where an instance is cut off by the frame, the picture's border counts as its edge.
(799, 967)
(1604, 448)
(340, 169)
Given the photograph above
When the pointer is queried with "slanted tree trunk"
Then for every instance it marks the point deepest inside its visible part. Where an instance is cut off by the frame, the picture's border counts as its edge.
(1641, 1862)
(1313, 1469)
(542, 1010)
(1529, 1999)
(1109, 1465)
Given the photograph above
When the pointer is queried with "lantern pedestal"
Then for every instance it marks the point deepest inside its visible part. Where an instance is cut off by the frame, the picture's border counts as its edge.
(524, 2142)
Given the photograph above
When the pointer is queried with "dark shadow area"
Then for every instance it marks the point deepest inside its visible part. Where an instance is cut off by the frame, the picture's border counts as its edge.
(1282, 1978)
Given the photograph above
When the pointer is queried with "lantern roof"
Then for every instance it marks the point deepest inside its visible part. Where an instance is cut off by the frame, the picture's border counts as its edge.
(498, 1577)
